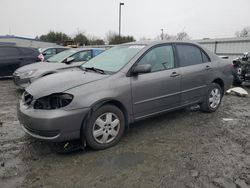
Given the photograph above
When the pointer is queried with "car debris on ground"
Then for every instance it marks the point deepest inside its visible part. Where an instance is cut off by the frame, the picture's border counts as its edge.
(239, 91)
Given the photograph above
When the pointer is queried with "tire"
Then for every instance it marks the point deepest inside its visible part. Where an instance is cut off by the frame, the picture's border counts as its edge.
(212, 99)
(105, 127)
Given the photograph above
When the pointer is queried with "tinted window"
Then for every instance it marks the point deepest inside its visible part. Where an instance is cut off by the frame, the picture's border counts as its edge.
(82, 56)
(189, 55)
(205, 57)
(50, 51)
(61, 56)
(9, 52)
(60, 49)
(26, 51)
(160, 58)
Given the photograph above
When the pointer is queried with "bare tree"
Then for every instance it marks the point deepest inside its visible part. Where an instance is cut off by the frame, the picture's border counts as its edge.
(182, 36)
(109, 36)
(245, 32)
(166, 36)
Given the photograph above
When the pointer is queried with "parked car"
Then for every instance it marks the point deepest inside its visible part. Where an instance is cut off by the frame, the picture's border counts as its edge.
(46, 53)
(124, 84)
(23, 76)
(13, 57)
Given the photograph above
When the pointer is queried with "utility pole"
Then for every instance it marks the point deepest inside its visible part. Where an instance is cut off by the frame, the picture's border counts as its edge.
(120, 5)
(162, 35)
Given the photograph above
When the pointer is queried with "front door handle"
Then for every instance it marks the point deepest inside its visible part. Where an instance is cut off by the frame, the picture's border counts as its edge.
(208, 67)
(174, 74)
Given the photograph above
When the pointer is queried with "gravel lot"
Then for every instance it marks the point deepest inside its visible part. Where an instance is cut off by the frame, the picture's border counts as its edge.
(186, 148)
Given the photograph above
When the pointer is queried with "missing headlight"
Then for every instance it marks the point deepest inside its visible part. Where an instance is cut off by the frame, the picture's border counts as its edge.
(54, 101)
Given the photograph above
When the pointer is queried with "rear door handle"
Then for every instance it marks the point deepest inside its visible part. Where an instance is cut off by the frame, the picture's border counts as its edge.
(208, 67)
(174, 74)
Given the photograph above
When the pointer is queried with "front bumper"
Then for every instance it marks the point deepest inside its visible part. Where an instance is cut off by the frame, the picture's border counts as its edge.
(52, 125)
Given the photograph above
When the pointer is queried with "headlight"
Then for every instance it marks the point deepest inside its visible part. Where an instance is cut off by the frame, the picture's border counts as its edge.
(54, 101)
(27, 73)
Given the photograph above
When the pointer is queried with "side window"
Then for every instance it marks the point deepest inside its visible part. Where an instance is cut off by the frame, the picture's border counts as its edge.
(50, 51)
(60, 49)
(205, 58)
(189, 55)
(26, 51)
(82, 56)
(97, 52)
(9, 52)
(160, 58)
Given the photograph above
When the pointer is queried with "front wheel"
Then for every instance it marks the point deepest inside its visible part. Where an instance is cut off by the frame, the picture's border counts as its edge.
(213, 98)
(105, 127)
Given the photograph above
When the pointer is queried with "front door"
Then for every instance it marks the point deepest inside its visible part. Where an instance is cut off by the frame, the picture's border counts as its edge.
(158, 90)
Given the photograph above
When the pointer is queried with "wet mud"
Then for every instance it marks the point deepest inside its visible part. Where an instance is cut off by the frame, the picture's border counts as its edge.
(186, 148)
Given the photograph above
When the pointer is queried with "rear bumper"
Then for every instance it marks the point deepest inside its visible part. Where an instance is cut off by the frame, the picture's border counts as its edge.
(51, 125)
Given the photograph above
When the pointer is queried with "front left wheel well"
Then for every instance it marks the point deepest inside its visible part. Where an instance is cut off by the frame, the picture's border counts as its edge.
(115, 103)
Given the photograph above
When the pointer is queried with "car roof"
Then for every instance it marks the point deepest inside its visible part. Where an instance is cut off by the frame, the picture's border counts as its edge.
(151, 43)
(83, 49)
(54, 47)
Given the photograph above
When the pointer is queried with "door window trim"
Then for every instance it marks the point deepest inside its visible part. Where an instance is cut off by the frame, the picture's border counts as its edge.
(190, 44)
(129, 74)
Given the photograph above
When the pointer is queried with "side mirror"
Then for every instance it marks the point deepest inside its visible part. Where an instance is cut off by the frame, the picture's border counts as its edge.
(146, 68)
(44, 53)
(69, 60)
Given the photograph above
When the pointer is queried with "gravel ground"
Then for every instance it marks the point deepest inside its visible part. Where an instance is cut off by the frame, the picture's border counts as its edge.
(186, 148)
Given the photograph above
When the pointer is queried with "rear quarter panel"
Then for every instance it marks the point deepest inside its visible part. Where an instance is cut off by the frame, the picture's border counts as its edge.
(223, 70)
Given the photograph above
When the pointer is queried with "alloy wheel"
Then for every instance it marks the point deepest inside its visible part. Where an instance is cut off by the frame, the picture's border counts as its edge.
(214, 98)
(106, 128)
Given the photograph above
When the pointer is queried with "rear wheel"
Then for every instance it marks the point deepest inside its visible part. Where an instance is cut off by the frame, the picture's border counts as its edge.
(213, 98)
(105, 127)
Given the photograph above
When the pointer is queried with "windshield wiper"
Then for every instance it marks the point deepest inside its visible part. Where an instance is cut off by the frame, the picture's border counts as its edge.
(95, 70)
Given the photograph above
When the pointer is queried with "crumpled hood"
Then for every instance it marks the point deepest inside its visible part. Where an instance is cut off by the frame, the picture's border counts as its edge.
(62, 81)
(44, 66)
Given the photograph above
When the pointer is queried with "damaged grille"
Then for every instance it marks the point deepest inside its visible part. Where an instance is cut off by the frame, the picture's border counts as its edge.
(27, 98)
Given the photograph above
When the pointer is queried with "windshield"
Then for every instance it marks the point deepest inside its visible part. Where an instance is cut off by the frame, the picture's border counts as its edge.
(61, 56)
(114, 59)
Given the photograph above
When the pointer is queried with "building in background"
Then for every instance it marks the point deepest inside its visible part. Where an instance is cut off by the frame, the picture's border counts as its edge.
(231, 47)
(24, 42)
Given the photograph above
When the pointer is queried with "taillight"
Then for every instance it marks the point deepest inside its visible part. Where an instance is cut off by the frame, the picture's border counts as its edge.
(231, 65)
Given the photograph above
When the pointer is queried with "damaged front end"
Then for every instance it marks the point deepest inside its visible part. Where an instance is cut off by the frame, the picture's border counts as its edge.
(242, 69)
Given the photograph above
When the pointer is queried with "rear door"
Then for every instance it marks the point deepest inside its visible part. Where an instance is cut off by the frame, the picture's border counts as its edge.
(196, 69)
(9, 60)
(158, 90)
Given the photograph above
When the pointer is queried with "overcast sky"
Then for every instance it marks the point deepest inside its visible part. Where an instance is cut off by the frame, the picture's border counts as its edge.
(140, 18)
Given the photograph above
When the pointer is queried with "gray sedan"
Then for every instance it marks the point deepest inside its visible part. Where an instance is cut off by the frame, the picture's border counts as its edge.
(124, 84)
(60, 62)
